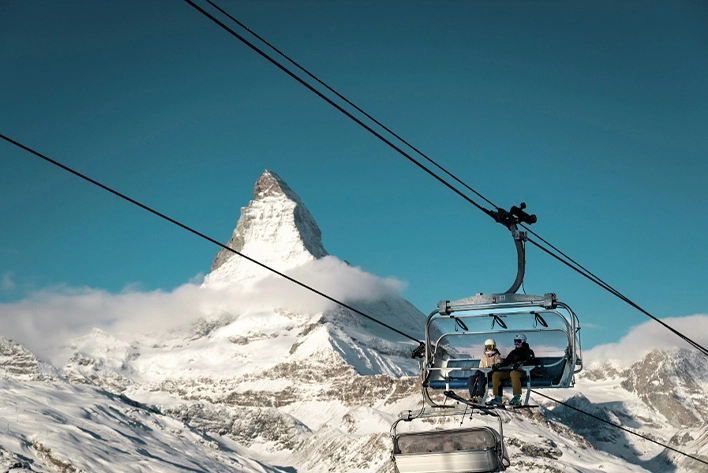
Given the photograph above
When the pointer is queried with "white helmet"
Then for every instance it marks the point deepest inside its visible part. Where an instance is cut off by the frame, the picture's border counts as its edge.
(490, 342)
(520, 336)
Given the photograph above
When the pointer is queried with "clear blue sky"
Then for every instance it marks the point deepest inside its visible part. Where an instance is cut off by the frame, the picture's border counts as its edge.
(593, 113)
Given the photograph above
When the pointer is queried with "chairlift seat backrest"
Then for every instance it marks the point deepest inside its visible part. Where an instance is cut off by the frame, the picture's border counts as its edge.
(472, 450)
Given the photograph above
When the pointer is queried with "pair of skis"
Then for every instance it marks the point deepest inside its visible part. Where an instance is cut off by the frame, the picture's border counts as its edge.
(457, 398)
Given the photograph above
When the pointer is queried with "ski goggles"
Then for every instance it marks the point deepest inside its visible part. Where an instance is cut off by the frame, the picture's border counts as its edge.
(518, 341)
(489, 347)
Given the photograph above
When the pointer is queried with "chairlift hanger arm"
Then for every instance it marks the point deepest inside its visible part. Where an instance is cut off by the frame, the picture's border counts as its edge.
(510, 219)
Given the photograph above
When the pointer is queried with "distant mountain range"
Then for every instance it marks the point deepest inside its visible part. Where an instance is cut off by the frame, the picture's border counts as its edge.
(271, 378)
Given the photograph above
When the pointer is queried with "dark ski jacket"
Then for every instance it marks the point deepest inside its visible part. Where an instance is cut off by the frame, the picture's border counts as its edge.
(523, 354)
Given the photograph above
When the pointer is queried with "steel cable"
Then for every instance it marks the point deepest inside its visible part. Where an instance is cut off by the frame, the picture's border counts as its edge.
(620, 427)
(569, 262)
(200, 234)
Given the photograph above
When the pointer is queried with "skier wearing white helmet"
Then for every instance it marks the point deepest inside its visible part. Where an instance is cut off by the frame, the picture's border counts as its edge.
(491, 354)
(477, 383)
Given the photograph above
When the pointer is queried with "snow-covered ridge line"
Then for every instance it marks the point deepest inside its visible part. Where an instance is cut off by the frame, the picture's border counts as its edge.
(263, 378)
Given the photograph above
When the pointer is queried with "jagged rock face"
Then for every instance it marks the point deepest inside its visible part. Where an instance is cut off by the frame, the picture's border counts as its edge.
(674, 383)
(244, 424)
(16, 361)
(82, 369)
(689, 440)
(275, 229)
(589, 427)
(599, 372)
(12, 462)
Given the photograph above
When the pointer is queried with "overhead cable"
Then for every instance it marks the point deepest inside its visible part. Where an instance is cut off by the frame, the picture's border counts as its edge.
(201, 235)
(400, 138)
(494, 214)
(581, 270)
(621, 427)
(335, 105)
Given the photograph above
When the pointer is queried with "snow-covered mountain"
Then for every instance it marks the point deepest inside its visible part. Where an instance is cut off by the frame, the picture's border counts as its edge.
(275, 228)
(662, 396)
(270, 377)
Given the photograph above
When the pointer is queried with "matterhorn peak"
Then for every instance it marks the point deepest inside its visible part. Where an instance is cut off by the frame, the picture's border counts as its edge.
(275, 229)
(269, 184)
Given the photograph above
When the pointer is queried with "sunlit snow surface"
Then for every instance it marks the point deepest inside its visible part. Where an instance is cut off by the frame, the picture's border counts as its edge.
(252, 373)
(173, 414)
(55, 426)
(49, 423)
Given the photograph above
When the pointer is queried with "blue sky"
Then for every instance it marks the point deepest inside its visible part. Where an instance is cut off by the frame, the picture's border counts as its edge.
(593, 113)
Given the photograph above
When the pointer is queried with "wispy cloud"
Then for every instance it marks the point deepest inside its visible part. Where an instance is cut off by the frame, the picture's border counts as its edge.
(51, 317)
(648, 336)
(330, 276)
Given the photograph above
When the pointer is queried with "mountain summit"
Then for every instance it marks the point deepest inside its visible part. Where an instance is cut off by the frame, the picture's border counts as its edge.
(275, 228)
(266, 373)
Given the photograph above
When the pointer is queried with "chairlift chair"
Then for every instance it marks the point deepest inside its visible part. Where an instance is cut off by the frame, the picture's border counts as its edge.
(455, 331)
(454, 341)
(455, 334)
(463, 450)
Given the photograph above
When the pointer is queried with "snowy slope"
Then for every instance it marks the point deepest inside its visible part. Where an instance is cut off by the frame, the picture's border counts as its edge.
(268, 376)
(56, 426)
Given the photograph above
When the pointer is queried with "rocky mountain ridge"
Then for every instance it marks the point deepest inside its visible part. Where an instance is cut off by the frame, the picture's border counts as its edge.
(275, 227)
(350, 431)
(307, 387)
(672, 382)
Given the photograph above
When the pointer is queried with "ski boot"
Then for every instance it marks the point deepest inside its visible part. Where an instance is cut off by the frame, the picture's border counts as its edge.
(496, 402)
(516, 400)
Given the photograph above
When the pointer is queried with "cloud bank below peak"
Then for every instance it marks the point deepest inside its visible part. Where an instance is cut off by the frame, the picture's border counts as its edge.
(50, 317)
(648, 336)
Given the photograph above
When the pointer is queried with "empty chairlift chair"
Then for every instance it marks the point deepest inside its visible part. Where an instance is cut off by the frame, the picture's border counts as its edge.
(463, 450)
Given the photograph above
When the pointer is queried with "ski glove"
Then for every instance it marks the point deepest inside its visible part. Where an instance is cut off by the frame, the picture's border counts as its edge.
(517, 365)
(496, 366)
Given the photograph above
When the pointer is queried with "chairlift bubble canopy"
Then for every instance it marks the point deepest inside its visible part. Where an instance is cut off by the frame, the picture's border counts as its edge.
(455, 333)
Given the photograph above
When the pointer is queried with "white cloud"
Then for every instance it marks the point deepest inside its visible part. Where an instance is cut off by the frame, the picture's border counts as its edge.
(330, 276)
(51, 317)
(648, 336)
